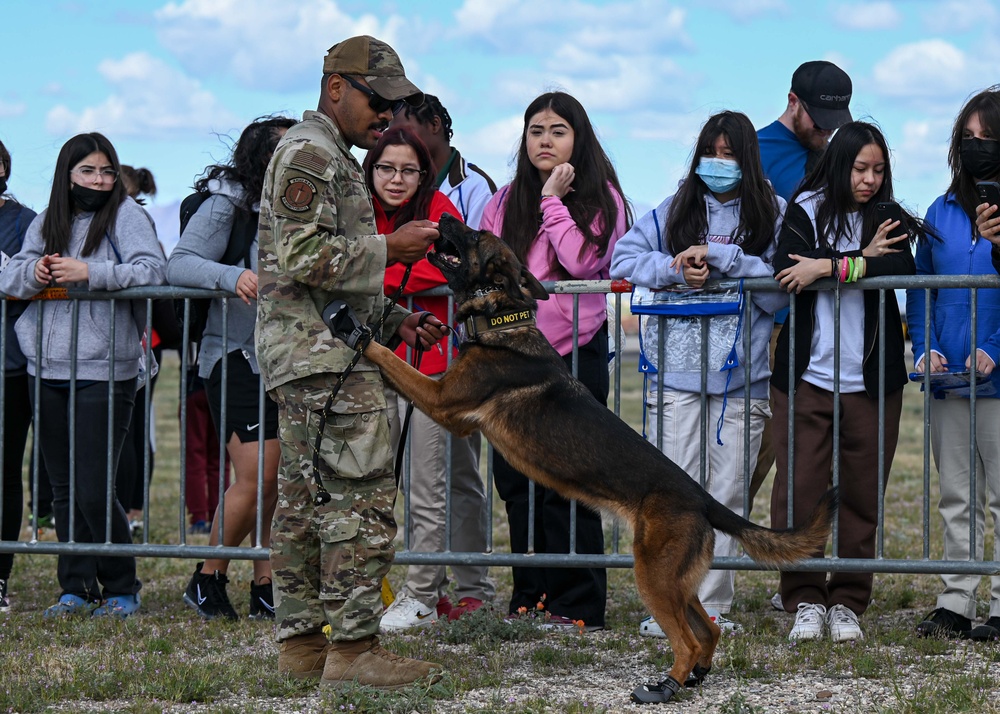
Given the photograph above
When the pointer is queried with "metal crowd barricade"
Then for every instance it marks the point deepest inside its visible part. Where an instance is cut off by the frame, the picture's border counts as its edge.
(616, 554)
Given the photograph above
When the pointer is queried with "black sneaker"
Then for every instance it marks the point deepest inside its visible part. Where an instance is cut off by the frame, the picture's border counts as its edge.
(989, 631)
(944, 623)
(207, 595)
(4, 602)
(261, 601)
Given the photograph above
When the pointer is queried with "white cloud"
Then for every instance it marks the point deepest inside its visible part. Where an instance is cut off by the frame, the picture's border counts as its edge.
(269, 45)
(12, 109)
(923, 151)
(867, 16)
(620, 27)
(951, 16)
(926, 71)
(747, 10)
(150, 99)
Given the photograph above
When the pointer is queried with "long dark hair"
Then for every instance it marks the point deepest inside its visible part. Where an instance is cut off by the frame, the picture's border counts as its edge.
(590, 198)
(963, 184)
(832, 174)
(249, 159)
(687, 224)
(58, 224)
(418, 207)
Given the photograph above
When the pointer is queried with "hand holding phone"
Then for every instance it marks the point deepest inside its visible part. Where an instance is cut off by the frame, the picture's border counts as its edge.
(989, 192)
(890, 211)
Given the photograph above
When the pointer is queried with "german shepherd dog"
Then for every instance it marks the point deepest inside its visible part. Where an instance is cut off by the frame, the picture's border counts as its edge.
(509, 383)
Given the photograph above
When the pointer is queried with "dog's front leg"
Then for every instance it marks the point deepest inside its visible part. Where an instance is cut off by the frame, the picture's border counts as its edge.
(420, 389)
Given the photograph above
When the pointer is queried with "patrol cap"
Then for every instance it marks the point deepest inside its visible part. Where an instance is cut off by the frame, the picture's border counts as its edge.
(825, 90)
(378, 63)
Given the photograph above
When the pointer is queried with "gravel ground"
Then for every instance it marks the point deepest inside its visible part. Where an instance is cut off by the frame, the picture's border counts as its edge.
(606, 684)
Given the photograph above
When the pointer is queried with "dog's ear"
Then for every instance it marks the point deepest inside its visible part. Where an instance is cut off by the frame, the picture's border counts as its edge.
(530, 283)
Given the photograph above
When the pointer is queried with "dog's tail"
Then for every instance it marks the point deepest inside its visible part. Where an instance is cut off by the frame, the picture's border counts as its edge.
(772, 547)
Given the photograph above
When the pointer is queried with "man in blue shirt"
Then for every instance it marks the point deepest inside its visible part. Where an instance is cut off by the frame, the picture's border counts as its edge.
(817, 105)
(789, 146)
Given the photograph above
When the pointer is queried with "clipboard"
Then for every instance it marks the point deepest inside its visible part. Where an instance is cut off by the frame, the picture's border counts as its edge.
(955, 383)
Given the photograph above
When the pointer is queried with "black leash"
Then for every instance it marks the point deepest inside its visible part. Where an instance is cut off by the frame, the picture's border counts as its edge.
(340, 319)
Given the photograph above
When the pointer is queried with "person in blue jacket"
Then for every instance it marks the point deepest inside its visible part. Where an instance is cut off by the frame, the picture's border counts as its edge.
(974, 156)
(14, 222)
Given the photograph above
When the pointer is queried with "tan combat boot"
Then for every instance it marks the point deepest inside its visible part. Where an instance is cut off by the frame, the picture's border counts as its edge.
(365, 662)
(303, 656)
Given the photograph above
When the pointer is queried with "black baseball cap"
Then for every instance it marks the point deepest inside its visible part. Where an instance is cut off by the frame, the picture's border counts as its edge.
(825, 91)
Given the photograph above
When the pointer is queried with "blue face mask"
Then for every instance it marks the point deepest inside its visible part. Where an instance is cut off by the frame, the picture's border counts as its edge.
(720, 175)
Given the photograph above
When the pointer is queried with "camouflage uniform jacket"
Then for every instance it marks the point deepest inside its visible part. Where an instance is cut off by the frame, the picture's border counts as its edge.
(317, 242)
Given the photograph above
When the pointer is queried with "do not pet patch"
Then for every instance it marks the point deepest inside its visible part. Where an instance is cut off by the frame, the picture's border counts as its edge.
(299, 194)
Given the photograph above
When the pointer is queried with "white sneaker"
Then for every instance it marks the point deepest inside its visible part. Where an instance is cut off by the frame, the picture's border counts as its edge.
(650, 628)
(724, 623)
(405, 613)
(843, 624)
(808, 622)
(776, 602)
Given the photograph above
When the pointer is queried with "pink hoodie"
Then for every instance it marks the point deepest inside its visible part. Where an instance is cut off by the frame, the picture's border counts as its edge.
(560, 237)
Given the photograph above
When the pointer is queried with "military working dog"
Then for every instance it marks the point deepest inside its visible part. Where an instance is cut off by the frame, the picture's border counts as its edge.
(509, 383)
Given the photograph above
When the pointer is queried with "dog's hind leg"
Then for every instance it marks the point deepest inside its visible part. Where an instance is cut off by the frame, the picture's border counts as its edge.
(671, 559)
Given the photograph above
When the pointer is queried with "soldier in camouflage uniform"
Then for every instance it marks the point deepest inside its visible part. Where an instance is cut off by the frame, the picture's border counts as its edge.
(318, 242)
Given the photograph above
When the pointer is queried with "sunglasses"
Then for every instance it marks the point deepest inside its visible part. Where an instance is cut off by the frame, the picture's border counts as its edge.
(377, 102)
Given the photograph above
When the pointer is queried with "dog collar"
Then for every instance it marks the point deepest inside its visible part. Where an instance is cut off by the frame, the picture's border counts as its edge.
(472, 327)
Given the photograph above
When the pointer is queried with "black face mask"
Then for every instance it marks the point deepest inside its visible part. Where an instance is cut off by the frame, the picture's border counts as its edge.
(88, 199)
(980, 157)
(3, 185)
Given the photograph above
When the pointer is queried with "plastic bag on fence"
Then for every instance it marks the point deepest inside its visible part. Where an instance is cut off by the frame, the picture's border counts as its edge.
(679, 313)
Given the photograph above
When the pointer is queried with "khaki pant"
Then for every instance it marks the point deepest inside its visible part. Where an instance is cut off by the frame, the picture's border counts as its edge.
(950, 445)
(429, 459)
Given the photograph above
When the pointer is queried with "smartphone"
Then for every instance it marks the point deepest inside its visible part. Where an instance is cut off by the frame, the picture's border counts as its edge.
(989, 192)
(890, 211)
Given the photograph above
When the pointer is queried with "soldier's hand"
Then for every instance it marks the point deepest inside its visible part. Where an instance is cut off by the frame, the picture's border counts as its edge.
(410, 242)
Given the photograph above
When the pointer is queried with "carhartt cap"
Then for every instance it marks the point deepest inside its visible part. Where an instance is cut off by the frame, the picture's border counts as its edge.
(825, 90)
(378, 63)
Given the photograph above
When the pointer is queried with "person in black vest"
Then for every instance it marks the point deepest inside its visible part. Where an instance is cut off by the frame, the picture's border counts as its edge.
(231, 209)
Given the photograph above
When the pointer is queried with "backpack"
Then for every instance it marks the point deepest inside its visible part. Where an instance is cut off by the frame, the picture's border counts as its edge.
(241, 237)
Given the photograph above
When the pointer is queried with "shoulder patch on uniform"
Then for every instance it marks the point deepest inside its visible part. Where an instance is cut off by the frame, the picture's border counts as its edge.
(299, 193)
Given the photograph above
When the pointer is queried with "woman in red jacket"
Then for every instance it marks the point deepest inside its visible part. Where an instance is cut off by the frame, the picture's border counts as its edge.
(400, 178)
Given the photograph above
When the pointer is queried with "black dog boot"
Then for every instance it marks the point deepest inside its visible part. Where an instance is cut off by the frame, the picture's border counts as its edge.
(656, 693)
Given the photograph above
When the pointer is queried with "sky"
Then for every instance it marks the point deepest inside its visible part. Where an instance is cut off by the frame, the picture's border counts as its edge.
(173, 83)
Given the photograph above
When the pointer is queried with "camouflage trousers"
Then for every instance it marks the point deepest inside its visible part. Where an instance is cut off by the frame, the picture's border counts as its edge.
(328, 560)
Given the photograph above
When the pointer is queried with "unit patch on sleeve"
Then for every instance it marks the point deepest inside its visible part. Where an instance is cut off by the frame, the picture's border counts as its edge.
(299, 194)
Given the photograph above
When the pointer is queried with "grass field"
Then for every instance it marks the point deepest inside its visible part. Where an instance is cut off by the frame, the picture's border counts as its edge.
(166, 659)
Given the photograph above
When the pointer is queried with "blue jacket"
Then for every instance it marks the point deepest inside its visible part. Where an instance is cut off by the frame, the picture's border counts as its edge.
(14, 222)
(957, 253)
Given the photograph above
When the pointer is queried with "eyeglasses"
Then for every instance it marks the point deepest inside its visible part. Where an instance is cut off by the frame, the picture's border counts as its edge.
(89, 173)
(388, 173)
(376, 101)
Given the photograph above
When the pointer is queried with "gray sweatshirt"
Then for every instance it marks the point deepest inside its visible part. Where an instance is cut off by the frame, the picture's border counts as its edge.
(194, 263)
(642, 256)
(138, 262)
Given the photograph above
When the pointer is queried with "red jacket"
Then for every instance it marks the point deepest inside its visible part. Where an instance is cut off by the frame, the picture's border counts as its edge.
(423, 277)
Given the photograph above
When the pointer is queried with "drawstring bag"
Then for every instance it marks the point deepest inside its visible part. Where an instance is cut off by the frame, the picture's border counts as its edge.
(678, 313)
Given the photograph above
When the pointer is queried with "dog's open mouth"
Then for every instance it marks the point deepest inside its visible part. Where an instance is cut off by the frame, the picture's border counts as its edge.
(446, 254)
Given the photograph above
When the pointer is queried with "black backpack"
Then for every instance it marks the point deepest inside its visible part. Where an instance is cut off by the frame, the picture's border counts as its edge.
(241, 237)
